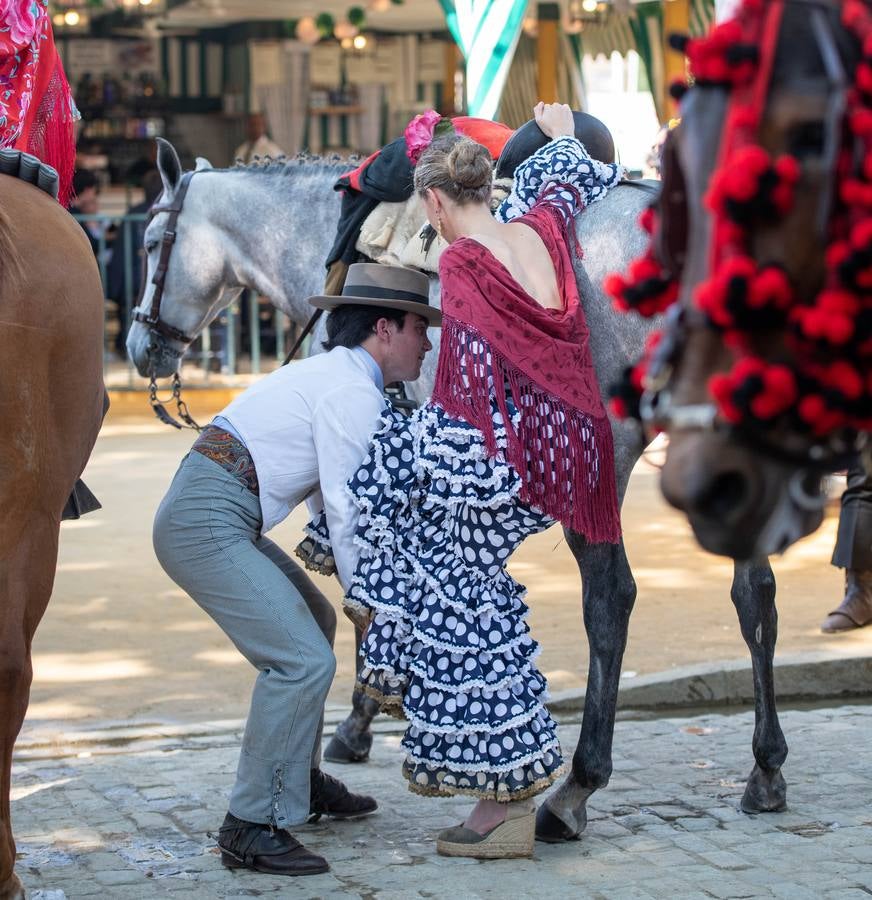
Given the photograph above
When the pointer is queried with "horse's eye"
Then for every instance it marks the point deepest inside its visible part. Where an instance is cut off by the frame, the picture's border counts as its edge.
(150, 245)
(806, 139)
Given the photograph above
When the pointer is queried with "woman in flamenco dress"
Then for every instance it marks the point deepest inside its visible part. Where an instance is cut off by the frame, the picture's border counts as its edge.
(514, 438)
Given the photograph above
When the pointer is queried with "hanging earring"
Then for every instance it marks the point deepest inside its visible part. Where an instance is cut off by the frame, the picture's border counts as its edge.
(439, 225)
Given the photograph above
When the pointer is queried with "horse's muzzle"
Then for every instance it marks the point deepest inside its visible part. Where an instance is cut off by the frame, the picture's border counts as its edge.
(151, 353)
(739, 504)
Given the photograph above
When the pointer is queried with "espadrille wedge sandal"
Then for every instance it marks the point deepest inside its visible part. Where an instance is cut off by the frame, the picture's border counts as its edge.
(512, 838)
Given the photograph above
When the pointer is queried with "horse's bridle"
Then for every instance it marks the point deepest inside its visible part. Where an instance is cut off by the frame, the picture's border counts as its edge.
(657, 409)
(659, 413)
(152, 319)
(156, 326)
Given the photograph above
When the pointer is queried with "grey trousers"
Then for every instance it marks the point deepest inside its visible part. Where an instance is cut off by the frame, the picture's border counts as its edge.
(854, 542)
(207, 538)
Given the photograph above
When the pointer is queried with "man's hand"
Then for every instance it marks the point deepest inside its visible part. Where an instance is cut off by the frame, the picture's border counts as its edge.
(555, 119)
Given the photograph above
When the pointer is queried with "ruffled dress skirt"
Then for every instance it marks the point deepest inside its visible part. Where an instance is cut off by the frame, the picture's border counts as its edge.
(448, 647)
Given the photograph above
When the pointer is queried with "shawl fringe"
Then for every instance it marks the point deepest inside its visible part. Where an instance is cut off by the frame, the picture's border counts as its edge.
(53, 138)
(564, 457)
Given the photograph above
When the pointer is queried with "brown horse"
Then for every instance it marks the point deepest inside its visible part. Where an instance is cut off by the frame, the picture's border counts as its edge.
(750, 483)
(51, 407)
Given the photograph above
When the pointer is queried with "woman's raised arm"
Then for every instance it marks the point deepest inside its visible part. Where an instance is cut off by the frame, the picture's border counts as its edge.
(562, 161)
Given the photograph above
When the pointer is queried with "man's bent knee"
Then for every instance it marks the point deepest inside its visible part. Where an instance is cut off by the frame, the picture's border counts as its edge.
(325, 616)
(323, 668)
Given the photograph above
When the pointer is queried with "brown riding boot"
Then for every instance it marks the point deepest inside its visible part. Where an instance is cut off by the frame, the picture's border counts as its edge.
(856, 609)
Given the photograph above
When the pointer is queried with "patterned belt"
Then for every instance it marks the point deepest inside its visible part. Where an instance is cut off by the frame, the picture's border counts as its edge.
(229, 452)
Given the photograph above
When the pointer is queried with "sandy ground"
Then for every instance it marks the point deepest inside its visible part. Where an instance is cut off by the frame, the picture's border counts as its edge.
(120, 641)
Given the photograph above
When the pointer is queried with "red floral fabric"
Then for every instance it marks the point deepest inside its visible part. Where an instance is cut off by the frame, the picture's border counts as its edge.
(37, 113)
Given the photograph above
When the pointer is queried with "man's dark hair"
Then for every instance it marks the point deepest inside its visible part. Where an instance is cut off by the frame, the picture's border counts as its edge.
(84, 179)
(350, 325)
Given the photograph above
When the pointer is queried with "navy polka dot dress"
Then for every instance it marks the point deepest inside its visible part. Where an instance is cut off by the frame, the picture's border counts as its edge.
(448, 648)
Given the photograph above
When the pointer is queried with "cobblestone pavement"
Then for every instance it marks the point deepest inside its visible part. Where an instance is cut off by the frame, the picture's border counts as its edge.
(131, 821)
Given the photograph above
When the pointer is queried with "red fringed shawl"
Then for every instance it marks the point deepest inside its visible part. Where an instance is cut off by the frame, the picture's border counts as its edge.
(37, 113)
(562, 445)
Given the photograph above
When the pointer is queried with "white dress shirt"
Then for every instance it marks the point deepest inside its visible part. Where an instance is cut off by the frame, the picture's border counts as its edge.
(308, 427)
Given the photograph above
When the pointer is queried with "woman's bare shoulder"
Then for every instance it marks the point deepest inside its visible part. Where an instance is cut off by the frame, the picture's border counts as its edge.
(496, 243)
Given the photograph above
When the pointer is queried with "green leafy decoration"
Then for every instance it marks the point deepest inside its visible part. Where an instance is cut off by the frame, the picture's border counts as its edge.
(325, 23)
(443, 127)
(356, 16)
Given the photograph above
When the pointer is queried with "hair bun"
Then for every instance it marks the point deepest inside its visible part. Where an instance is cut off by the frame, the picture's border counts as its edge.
(469, 164)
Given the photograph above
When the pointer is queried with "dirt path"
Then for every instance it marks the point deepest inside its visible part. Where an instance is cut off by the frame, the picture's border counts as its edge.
(120, 641)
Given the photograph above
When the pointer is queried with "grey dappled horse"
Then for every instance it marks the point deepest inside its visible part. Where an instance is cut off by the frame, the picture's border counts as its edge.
(269, 228)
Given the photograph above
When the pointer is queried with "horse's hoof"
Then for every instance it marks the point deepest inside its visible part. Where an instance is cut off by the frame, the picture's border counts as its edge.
(765, 793)
(340, 751)
(551, 829)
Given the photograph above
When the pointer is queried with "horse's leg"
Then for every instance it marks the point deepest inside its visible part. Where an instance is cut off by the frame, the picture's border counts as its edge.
(26, 576)
(352, 740)
(608, 593)
(753, 595)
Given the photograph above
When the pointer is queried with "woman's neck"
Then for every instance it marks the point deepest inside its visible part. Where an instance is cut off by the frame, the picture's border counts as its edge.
(470, 219)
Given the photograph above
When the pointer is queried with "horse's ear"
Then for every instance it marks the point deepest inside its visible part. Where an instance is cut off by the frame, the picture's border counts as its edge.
(169, 166)
(202, 164)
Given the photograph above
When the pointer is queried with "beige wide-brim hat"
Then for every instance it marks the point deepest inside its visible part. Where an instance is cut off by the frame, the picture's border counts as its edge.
(394, 287)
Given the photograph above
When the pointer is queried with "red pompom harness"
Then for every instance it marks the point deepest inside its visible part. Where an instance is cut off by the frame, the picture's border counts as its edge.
(825, 386)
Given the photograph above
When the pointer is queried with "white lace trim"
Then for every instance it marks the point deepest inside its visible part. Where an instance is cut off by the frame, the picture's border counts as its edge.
(513, 591)
(465, 687)
(395, 679)
(509, 645)
(355, 605)
(536, 711)
(533, 756)
(317, 536)
(395, 612)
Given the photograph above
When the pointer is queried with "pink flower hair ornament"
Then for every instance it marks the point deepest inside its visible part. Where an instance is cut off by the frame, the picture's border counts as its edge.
(421, 130)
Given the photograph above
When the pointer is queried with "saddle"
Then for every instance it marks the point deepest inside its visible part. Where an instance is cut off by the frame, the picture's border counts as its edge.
(398, 234)
(28, 168)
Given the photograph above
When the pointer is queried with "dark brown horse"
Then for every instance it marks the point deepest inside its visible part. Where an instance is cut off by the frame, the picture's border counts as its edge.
(51, 407)
(750, 485)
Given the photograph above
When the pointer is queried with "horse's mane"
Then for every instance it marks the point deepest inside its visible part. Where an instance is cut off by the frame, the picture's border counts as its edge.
(287, 165)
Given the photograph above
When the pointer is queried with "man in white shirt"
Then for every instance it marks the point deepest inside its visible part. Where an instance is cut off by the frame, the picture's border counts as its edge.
(258, 143)
(298, 434)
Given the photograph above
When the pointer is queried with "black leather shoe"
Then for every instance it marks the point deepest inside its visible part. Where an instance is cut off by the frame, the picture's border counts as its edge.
(330, 797)
(249, 845)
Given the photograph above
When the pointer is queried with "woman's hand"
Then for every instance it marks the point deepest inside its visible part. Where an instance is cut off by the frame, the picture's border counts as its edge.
(555, 119)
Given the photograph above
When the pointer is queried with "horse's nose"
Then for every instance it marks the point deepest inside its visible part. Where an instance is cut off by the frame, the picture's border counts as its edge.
(720, 496)
(719, 490)
(150, 353)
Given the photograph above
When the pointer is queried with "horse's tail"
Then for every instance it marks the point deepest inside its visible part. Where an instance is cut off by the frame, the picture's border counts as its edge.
(10, 258)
